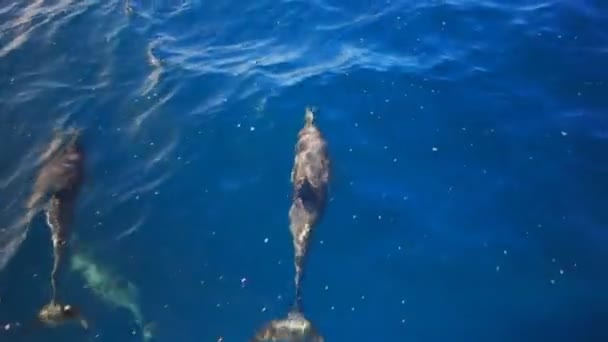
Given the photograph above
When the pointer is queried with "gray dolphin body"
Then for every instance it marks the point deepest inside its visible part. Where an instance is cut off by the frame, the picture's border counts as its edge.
(310, 178)
(62, 170)
(60, 179)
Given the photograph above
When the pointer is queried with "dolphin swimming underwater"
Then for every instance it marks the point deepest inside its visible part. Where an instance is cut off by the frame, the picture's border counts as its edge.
(112, 289)
(309, 177)
(60, 179)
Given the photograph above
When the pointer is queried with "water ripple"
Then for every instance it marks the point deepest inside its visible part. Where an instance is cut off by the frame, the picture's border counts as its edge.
(154, 76)
(37, 11)
(132, 229)
(179, 97)
(145, 115)
(130, 191)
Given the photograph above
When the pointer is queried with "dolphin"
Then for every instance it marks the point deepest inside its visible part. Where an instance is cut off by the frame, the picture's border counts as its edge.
(60, 178)
(112, 289)
(309, 177)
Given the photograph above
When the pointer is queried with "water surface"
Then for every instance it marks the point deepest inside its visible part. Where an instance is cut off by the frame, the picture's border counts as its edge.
(468, 139)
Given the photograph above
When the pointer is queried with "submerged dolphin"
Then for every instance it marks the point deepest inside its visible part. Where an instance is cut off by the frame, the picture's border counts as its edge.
(61, 169)
(310, 178)
(112, 289)
(60, 178)
(61, 205)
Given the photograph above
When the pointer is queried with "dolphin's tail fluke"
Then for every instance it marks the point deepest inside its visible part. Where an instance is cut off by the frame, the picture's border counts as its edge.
(148, 331)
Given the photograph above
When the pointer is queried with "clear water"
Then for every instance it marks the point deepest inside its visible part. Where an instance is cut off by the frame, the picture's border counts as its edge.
(469, 142)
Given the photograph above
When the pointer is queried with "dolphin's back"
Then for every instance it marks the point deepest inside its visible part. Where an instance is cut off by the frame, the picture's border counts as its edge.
(310, 174)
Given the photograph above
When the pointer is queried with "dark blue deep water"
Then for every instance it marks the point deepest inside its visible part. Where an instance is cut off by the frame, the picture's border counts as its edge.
(469, 141)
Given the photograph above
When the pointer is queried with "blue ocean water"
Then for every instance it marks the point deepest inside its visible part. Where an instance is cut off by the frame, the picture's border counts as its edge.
(468, 142)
